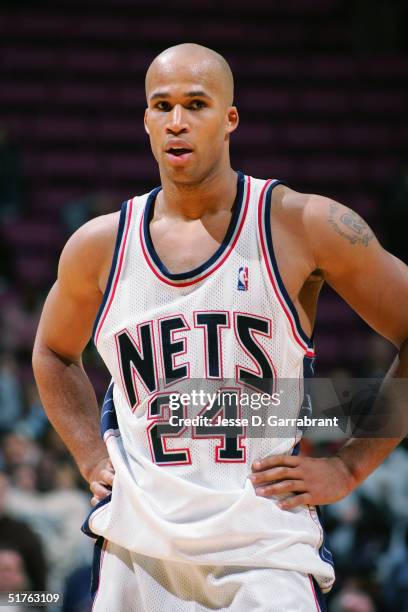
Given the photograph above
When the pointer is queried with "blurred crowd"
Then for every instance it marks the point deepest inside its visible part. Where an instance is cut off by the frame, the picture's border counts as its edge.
(44, 501)
(368, 535)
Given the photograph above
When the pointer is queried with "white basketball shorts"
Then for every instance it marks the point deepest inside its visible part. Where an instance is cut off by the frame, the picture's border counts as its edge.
(125, 581)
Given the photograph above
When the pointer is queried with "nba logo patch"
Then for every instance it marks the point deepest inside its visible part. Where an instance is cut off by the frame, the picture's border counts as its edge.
(243, 278)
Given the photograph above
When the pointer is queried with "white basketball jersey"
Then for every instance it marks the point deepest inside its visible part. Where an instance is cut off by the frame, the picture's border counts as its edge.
(181, 490)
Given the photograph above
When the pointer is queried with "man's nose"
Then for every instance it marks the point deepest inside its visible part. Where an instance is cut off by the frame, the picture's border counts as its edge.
(177, 120)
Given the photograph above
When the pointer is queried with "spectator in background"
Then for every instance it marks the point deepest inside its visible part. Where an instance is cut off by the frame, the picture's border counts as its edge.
(11, 401)
(13, 579)
(13, 575)
(387, 487)
(48, 499)
(18, 450)
(17, 536)
(34, 422)
(353, 600)
(19, 320)
(395, 583)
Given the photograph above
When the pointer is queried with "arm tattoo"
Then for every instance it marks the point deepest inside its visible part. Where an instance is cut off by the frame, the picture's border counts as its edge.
(350, 225)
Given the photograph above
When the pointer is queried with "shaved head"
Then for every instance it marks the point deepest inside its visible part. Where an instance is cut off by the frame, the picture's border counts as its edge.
(201, 62)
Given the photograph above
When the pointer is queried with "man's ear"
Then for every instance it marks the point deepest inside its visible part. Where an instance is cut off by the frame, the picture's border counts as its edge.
(145, 121)
(232, 119)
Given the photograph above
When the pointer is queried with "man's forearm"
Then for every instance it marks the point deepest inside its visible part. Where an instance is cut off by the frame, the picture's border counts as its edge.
(361, 456)
(70, 403)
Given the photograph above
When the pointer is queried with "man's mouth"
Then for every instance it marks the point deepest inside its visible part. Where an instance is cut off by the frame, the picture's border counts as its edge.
(178, 151)
(178, 154)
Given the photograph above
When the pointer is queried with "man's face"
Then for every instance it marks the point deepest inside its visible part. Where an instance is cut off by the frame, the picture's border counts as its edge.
(188, 120)
(12, 574)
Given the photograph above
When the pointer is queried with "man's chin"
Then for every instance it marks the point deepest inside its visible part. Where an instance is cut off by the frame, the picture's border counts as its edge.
(180, 174)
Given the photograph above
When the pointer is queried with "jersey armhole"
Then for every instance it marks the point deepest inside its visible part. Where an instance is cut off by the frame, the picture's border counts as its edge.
(264, 216)
(123, 227)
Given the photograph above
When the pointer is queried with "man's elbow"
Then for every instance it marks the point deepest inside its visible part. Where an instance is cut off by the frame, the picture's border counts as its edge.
(45, 360)
(41, 359)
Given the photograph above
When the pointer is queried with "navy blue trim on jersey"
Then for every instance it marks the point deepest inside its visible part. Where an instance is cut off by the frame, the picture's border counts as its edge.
(227, 238)
(269, 243)
(296, 449)
(85, 527)
(108, 421)
(324, 550)
(96, 565)
(121, 228)
(308, 366)
(321, 600)
(306, 410)
(108, 412)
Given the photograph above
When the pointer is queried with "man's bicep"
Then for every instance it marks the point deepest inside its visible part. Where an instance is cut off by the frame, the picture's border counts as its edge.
(72, 304)
(378, 290)
(371, 280)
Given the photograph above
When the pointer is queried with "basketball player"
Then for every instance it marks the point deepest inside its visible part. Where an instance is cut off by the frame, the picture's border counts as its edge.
(214, 275)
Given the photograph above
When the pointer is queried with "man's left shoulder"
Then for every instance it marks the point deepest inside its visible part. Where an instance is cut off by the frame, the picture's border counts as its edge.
(324, 225)
(295, 206)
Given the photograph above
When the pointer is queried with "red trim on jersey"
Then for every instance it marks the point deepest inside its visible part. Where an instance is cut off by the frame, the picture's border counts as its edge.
(118, 270)
(211, 270)
(314, 593)
(271, 275)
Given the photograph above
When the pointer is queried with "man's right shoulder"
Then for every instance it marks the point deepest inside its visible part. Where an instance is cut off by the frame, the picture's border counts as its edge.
(88, 253)
(99, 228)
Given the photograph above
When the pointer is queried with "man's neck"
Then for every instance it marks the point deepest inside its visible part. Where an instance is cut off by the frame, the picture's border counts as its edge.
(193, 201)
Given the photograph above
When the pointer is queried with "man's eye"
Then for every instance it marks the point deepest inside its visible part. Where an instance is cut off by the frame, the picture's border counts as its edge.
(197, 104)
(163, 106)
